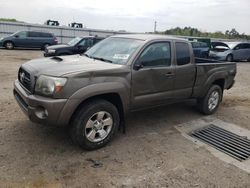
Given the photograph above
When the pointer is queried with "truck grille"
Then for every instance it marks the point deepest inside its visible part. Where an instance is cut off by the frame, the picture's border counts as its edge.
(24, 78)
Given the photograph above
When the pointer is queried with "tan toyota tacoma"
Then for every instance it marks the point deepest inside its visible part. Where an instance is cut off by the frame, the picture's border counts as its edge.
(93, 92)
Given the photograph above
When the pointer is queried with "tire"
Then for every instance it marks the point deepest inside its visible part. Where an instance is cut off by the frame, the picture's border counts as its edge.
(9, 45)
(63, 54)
(89, 123)
(210, 103)
(44, 46)
(229, 58)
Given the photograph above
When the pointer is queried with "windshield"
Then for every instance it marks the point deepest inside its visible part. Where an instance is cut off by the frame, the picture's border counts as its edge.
(74, 41)
(114, 50)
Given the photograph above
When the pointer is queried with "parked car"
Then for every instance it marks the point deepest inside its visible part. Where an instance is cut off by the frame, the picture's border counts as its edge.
(124, 73)
(230, 51)
(28, 39)
(201, 49)
(77, 45)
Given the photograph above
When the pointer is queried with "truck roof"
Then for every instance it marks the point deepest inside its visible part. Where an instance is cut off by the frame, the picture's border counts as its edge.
(147, 37)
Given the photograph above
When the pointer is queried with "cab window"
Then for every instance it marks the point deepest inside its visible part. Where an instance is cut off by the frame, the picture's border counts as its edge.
(156, 54)
(182, 53)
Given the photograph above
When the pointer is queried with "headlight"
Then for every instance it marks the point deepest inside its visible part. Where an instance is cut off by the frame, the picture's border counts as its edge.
(1, 39)
(47, 85)
(50, 51)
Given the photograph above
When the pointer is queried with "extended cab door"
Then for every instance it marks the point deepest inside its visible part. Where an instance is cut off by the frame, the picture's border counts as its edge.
(185, 71)
(153, 82)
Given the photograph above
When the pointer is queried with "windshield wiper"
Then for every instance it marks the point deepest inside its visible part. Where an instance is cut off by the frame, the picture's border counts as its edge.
(102, 59)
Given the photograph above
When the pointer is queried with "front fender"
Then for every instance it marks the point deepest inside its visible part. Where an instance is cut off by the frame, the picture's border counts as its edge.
(91, 91)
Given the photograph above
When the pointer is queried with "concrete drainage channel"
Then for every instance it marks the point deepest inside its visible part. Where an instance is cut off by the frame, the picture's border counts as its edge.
(226, 141)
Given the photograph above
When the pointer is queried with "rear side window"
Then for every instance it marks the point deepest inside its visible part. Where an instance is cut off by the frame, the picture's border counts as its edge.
(156, 54)
(33, 34)
(45, 35)
(246, 46)
(39, 34)
(182, 53)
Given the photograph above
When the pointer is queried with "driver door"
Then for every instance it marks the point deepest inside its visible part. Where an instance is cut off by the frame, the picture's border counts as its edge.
(153, 83)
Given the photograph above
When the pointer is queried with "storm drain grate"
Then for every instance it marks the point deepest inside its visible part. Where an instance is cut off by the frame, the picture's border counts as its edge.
(232, 144)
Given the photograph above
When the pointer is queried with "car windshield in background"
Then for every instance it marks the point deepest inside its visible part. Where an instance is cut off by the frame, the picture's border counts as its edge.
(74, 41)
(114, 49)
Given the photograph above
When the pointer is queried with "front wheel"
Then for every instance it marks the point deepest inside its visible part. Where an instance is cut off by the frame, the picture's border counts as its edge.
(210, 103)
(95, 124)
(9, 45)
(229, 58)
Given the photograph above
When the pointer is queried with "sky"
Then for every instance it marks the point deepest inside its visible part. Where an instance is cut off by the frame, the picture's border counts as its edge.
(134, 15)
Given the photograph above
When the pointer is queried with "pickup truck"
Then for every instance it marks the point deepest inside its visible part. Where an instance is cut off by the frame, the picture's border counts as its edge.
(92, 93)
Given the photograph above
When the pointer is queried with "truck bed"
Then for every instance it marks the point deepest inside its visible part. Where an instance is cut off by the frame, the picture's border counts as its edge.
(208, 70)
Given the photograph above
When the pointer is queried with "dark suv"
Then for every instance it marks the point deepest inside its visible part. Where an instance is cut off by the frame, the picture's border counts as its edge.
(77, 45)
(201, 49)
(28, 39)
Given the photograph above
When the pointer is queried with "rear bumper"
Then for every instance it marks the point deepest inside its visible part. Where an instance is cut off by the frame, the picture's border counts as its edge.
(39, 109)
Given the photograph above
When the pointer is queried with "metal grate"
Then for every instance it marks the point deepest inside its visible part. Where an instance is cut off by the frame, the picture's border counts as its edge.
(232, 144)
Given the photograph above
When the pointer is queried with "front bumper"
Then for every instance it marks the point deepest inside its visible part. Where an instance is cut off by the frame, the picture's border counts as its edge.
(45, 54)
(39, 109)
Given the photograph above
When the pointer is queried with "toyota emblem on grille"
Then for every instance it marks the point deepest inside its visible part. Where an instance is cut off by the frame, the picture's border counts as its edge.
(22, 75)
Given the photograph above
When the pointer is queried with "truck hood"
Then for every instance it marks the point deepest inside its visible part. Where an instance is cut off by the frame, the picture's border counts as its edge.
(68, 66)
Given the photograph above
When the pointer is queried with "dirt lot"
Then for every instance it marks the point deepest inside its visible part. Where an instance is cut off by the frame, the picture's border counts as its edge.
(152, 153)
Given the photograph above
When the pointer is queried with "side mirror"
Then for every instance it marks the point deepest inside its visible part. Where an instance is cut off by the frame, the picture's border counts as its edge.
(16, 36)
(138, 65)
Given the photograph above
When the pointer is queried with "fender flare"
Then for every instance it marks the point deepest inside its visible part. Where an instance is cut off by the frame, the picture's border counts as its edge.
(89, 91)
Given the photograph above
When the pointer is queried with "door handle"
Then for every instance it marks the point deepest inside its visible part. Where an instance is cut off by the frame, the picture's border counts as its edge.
(169, 75)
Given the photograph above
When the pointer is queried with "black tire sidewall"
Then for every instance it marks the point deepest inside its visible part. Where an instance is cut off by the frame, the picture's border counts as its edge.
(5, 45)
(231, 59)
(204, 102)
(83, 116)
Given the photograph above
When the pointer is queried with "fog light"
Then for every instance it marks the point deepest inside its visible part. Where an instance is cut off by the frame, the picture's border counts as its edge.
(41, 112)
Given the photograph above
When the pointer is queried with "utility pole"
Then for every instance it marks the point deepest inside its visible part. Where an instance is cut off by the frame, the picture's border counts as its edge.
(155, 27)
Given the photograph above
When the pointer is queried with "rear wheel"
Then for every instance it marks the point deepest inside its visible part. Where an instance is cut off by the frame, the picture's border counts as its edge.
(95, 124)
(9, 45)
(210, 103)
(229, 58)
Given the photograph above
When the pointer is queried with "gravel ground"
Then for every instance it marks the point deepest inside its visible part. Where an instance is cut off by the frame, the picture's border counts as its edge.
(151, 154)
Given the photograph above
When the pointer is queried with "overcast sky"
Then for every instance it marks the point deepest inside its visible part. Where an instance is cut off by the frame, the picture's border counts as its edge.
(134, 15)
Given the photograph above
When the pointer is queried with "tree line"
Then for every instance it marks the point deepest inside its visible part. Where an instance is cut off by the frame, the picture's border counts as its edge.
(189, 31)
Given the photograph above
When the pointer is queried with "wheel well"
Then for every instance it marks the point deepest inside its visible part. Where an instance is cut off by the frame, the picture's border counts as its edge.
(220, 82)
(113, 98)
(230, 55)
(8, 41)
